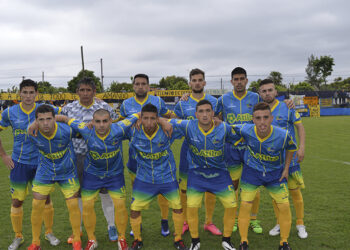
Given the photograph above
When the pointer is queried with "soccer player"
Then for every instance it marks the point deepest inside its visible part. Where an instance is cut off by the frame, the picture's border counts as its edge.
(207, 169)
(288, 119)
(24, 160)
(134, 105)
(104, 168)
(83, 110)
(186, 110)
(236, 107)
(56, 165)
(156, 173)
(266, 163)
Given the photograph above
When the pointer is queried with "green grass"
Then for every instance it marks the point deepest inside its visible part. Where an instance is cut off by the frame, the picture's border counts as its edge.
(326, 171)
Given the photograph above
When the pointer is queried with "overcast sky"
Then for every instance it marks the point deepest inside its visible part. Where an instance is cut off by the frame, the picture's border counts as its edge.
(170, 37)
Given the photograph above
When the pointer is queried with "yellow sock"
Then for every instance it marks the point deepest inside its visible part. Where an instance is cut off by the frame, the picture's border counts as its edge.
(178, 222)
(89, 218)
(164, 206)
(183, 197)
(285, 219)
(209, 201)
(121, 216)
(16, 219)
(243, 220)
(48, 217)
(38, 207)
(229, 221)
(275, 209)
(136, 227)
(298, 203)
(192, 220)
(255, 207)
(74, 217)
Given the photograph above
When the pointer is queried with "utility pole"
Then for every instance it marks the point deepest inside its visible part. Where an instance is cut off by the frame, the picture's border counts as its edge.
(82, 59)
(221, 84)
(42, 76)
(101, 62)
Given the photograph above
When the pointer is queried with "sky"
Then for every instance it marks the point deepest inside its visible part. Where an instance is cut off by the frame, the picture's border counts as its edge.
(162, 38)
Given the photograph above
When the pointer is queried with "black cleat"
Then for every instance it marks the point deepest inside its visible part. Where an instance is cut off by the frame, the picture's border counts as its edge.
(196, 244)
(285, 246)
(136, 244)
(243, 246)
(180, 245)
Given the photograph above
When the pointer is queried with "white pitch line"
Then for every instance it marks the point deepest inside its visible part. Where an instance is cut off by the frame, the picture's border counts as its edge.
(336, 161)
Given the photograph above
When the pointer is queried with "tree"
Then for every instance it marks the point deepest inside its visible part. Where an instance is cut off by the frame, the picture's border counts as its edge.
(254, 85)
(120, 87)
(46, 87)
(301, 86)
(174, 82)
(318, 69)
(276, 77)
(72, 84)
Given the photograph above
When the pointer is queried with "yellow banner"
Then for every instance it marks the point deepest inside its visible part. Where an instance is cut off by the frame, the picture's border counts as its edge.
(314, 110)
(326, 102)
(311, 100)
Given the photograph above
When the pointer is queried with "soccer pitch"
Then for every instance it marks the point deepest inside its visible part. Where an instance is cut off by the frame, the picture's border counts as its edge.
(326, 171)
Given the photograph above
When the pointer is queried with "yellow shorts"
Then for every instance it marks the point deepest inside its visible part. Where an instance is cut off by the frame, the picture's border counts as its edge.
(235, 172)
(69, 187)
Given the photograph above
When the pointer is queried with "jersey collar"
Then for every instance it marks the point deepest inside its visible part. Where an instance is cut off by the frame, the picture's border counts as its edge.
(25, 111)
(143, 102)
(197, 100)
(53, 134)
(239, 98)
(275, 105)
(267, 137)
(87, 107)
(208, 132)
(103, 137)
(153, 135)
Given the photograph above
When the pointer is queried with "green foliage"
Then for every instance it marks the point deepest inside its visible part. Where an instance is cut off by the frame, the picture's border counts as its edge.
(120, 87)
(254, 85)
(46, 87)
(276, 77)
(339, 84)
(72, 84)
(13, 89)
(301, 86)
(318, 69)
(174, 83)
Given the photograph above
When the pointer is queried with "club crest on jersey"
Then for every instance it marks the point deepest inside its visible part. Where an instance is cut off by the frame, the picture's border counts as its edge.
(269, 149)
(216, 141)
(249, 105)
(279, 118)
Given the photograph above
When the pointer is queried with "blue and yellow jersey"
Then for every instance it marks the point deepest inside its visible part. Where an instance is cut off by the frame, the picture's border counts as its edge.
(19, 119)
(285, 118)
(56, 153)
(186, 109)
(105, 156)
(237, 110)
(205, 148)
(155, 160)
(266, 154)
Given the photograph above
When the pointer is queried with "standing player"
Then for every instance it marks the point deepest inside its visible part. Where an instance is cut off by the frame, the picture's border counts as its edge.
(207, 169)
(286, 118)
(266, 163)
(134, 105)
(24, 160)
(156, 173)
(56, 165)
(186, 110)
(83, 110)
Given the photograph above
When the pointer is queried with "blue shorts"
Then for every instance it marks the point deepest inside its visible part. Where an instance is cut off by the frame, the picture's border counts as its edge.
(132, 163)
(183, 166)
(234, 158)
(21, 177)
(143, 193)
(92, 185)
(213, 180)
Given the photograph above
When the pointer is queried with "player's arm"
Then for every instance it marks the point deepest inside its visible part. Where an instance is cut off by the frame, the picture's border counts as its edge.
(289, 157)
(290, 104)
(301, 136)
(166, 126)
(128, 121)
(5, 157)
(218, 108)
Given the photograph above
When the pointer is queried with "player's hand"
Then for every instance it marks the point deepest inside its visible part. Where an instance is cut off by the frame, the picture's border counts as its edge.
(284, 174)
(289, 103)
(8, 162)
(185, 97)
(138, 124)
(300, 155)
(33, 129)
(89, 125)
(217, 121)
(166, 126)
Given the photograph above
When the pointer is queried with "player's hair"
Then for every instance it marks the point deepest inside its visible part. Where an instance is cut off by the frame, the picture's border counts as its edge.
(28, 83)
(140, 76)
(101, 112)
(261, 106)
(203, 102)
(44, 109)
(149, 108)
(265, 81)
(197, 71)
(238, 70)
(86, 81)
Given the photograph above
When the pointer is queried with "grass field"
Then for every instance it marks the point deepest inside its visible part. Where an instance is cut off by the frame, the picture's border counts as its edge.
(326, 171)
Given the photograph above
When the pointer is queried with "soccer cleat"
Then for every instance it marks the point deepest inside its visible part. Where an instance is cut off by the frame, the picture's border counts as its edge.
(235, 227)
(285, 246)
(136, 245)
(243, 246)
(195, 245)
(255, 226)
(16, 243)
(52, 239)
(34, 247)
(77, 245)
(91, 245)
(275, 230)
(112, 233)
(180, 245)
(122, 245)
(185, 227)
(212, 228)
(227, 245)
(165, 228)
(302, 232)
(70, 238)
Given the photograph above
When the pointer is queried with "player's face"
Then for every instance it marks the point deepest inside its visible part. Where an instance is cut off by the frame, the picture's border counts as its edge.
(205, 114)
(149, 120)
(46, 122)
(262, 120)
(28, 95)
(102, 123)
(141, 87)
(86, 93)
(268, 92)
(239, 82)
(197, 83)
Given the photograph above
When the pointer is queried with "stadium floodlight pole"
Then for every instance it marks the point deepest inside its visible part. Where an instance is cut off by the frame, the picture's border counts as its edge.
(82, 59)
(101, 62)
(42, 76)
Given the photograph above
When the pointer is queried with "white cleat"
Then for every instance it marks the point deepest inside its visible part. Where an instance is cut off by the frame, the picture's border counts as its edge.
(227, 245)
(52, 239)
(275, 231)
(302, 232)
(196, 246)
(16, 243)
